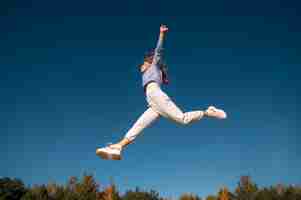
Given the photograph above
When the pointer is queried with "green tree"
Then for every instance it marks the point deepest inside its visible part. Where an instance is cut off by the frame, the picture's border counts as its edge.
(265, 194)
(11, 189)
(188, 196)
(141, 195)
(36, 193)
(55, 192)
(292, 193)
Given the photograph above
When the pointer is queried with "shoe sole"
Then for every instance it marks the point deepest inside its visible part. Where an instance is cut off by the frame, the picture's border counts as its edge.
(106, 156)
(221, 114)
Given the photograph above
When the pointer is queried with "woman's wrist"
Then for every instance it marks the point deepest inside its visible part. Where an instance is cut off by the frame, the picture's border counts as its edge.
(162, 34)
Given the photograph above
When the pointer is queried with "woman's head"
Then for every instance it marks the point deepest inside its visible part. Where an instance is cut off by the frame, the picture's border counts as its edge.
(148, 57)
(147, 61)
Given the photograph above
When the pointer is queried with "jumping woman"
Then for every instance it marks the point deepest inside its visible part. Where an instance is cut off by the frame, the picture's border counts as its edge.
(154, 73)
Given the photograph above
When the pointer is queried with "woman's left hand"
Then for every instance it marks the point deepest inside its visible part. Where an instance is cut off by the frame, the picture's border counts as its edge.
(163, 28)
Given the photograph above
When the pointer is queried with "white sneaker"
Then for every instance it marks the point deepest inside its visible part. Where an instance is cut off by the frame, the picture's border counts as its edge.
(109, 152)
(217, 113)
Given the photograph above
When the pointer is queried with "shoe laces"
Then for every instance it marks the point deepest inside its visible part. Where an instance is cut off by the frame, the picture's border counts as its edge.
(109, 146)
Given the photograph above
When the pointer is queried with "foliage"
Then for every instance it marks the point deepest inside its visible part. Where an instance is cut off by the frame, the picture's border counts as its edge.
(188, 196)
(223, 194)
(211, 197)
(141, 195)
(36, 193)
(109, 193)
(246, 189)
(86, 188)
(11, 188)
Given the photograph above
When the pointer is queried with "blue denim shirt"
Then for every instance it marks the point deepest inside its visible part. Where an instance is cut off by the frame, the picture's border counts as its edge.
(154, 73)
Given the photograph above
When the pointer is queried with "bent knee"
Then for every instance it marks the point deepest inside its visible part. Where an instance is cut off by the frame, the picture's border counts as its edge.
(182, 119)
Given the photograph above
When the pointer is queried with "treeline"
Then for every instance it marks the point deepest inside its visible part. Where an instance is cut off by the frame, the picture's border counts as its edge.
(86, 188)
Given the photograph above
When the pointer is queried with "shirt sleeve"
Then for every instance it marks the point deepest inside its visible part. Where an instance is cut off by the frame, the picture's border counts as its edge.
(158, 51)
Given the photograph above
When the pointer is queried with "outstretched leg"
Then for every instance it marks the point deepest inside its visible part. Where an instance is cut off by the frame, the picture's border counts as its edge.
(114, 151)
(160, 102)
(145, 120)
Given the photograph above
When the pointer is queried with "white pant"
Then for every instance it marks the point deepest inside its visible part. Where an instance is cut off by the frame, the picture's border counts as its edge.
(161, 105)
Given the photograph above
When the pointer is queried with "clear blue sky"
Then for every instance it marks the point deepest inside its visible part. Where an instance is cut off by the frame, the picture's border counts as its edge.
(69, 84)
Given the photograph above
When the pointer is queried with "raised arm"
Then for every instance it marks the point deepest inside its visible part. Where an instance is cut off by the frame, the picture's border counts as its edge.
(158, 50)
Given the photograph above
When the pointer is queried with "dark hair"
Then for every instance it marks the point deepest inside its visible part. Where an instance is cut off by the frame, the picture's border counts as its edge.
(149, 56)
